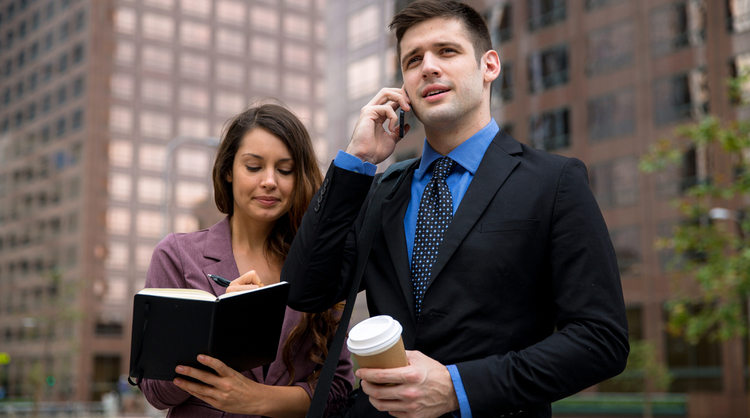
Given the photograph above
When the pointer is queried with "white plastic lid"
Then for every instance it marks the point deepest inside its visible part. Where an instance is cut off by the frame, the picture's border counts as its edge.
(374, 335)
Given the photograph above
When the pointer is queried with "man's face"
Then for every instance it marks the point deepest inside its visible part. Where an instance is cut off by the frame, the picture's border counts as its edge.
(441, 75)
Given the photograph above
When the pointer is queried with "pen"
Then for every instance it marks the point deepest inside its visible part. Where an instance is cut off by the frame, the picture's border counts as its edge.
(219, 280)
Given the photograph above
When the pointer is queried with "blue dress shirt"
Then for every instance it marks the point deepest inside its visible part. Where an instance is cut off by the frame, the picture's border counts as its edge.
(468, 155)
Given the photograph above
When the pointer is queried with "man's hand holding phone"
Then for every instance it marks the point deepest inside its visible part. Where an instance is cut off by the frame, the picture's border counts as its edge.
(371, 142)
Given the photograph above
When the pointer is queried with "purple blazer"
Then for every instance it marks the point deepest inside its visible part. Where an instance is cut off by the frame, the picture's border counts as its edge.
(182, 261)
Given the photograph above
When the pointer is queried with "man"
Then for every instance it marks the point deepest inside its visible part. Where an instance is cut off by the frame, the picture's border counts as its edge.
(525, 251)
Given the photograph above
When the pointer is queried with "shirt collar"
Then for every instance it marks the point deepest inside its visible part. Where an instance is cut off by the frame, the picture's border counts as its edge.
(468, 155)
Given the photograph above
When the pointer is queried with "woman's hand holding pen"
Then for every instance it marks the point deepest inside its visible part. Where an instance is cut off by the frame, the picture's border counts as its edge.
(247, 281)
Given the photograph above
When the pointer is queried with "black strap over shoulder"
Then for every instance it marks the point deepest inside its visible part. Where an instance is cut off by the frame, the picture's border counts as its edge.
(392, 177)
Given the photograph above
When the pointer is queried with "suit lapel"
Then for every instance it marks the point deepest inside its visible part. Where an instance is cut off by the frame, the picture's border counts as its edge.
(496, 166)
(218, 247)
(392, 214)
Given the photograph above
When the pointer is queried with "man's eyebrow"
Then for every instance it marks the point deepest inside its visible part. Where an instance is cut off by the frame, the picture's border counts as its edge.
(416, 49)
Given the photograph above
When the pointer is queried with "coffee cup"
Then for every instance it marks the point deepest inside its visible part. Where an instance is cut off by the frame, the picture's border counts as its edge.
(376, 343)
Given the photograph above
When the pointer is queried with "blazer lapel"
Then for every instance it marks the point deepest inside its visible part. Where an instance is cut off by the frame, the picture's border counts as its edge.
(496, 166)
(218, 247)
(392, 215)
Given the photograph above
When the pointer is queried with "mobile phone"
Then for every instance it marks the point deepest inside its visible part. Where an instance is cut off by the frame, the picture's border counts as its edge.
(401, 123)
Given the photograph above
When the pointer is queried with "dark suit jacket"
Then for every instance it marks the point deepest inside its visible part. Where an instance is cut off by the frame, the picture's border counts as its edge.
(527, 253)
(182, 261)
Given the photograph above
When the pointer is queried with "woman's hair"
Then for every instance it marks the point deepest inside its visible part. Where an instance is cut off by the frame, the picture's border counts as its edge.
(282, 123)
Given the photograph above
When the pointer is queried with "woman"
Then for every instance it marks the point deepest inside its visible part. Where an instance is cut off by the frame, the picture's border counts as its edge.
(264, 176)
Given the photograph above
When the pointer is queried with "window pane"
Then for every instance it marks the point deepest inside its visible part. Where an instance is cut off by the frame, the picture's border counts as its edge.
(610, 49)
(611, 115)
(230, 41)
(195, 34)
(157, 125)
(548, 68)
(550, 131)
(156, 91)
(264, 49)
(265, 18)
(152, 157)
(363, 77)
(363, 27)
(125, 20)
(193, 65)
(231, 11)
(677, 26)
(158, 26)
(201, 8)
(157, 58)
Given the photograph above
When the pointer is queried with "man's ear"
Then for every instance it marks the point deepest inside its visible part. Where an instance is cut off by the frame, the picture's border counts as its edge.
(491, 66)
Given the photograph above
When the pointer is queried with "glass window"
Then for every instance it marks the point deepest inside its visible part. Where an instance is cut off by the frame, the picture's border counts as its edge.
(124, 53)
(677, 26)
(143, 257)
(195, 98)
(186, 223)
(157, 58)
(363, 77)
(296, 55)
(190, 193)
(264, 78)
(117, 292)
(152, 157)
(120, 186)
(610, 49)
(156, 91)
(62, 95)
(121, 86)
(193, 65)
(230, 72)
(695, 368)
(117, 255)
(149, 224)
(548, 68)
(78, 86)
(738, 19)
(118, 221)
(543, 13)
(266, 18)
(125, 20)
(300, 4)
(150, 190)
(162, 4)
(192, 126)
(264, 49)
(230, 41)
(611, 115)
(596, 4)
(192, 162)
(363, 27)
(296, 85)
(231, 11)
(550, 130)
(200, 8)
(627, 244)
(64, 31)
(500, 22)
(195, 34)
(229, 103)
(156, 125)
(741, 65)
(502, 87)
(297, 26)
(680, 97)
(63, 63)
(615, 182)
(120, 119)
(158, 26)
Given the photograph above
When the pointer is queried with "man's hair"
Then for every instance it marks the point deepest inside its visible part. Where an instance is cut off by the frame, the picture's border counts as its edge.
(422, 10)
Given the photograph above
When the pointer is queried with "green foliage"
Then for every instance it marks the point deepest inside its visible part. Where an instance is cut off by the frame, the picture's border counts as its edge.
(642, 366)
(713, 253)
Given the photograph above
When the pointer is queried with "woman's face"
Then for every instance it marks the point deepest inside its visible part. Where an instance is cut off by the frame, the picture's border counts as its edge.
(262, 177)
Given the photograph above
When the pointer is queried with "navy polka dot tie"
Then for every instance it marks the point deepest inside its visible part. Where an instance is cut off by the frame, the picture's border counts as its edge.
(434, 216)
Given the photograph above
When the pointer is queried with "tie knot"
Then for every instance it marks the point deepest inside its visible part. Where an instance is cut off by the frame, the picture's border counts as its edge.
(443, 167)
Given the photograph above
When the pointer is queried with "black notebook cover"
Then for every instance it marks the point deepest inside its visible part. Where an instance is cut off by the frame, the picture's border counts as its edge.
(243, 331)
